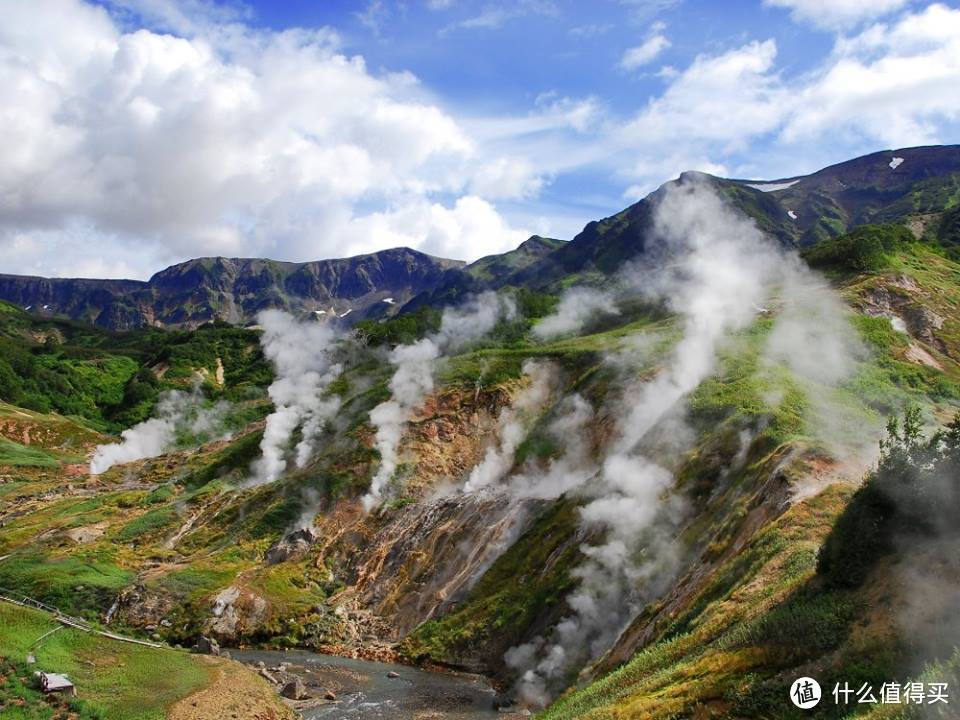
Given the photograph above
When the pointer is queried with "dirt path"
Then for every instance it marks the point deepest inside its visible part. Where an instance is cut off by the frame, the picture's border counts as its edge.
(235, 692)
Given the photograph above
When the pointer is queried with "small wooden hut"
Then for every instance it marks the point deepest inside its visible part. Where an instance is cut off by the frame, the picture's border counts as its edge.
(54, 683)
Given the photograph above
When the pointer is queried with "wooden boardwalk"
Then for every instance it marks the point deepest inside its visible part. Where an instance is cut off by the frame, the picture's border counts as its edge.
(17, 598)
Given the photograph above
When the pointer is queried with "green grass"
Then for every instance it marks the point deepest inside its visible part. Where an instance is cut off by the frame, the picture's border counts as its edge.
(116, 681)
(149, 523)
(744, 621)
(22, 699)
(78, 584)
(16, 455)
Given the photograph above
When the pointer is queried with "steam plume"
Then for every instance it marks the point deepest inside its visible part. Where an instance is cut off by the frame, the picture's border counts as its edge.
(301, 353)
(413, 379)
(178, 413)
(512, 426)
(715, 268)
(574, 467)
(576, 308)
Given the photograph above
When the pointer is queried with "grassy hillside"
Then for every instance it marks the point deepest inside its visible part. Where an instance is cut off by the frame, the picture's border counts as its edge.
(112, 380)
(114, 680)
(180, 543)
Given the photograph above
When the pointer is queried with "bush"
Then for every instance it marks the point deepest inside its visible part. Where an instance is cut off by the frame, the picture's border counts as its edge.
(865, 249)
(913, 491)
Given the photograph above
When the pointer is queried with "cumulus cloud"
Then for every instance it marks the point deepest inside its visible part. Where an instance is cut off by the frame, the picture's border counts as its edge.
(227, 140)
(890, 84)
(224, 138)
(645, 53)
(832, 14)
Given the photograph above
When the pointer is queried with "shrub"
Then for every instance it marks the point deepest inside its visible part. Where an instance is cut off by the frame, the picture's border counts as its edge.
(866, 248)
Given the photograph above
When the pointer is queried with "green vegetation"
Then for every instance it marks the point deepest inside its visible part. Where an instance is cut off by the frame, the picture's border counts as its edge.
(402, 329)
(75, 584)
(726, 647)
(22, 699)
(910, 494)
(867, 248)
(113, 380)
(14, 454)
(115, 681)
(527, 583)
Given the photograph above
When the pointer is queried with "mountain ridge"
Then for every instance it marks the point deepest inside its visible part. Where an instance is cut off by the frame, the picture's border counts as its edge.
(798, 211)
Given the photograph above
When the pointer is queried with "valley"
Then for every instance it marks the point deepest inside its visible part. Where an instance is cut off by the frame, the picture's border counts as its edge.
(632, 475)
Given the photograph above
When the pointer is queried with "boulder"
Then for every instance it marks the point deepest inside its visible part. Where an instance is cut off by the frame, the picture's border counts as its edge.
(293, 545)
(208, 646)
(294, 690)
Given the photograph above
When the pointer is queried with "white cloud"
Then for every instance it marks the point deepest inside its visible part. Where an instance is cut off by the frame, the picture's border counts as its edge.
(472, 227)
(642, 10)
(721, 99)
(834, 14)
(144, 148)
(495, 15)
(644, 53)
(892, 85)
(373, 16)
(509, 178)
(234, 141)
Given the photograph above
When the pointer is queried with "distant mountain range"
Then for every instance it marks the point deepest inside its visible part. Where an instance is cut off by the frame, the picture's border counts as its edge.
(888, 186)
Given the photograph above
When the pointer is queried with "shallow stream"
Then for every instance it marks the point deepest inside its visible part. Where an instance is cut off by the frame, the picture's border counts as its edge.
(365, 691)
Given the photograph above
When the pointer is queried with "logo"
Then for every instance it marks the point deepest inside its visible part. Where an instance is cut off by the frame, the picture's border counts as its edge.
(805, 693)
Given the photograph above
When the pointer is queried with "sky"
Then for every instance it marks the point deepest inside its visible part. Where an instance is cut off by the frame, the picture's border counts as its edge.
(141, 133)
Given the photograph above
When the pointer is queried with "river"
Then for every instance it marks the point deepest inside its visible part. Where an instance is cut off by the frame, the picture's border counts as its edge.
(365, 691)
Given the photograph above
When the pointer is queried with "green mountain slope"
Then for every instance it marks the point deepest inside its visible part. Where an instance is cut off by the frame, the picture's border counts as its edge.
(766, 459)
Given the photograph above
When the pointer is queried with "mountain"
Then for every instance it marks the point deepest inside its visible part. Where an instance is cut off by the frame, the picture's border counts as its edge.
(887, 186)
(233, 290)
(684, 509)
(798, 211)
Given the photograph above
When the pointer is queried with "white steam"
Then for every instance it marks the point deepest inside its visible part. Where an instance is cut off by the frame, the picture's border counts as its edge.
(178, 413)
(576, 308)
(513, 425)
(574, 466)
(413, 378)
(715, 269)
(301, 353)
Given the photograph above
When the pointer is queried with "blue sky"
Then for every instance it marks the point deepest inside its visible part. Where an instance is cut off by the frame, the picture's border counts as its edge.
(150, 131)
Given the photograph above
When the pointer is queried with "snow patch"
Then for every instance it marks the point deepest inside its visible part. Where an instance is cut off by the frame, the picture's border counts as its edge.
(388, 301)
(792, 214)
(350, 310)
(896, 162)
(772, 186)
(319, 312)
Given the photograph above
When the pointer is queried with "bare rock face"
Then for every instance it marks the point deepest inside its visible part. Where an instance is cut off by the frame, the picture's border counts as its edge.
(921, 322)
(294, 544)
(898, 298)
(235, 611)
(295, 690)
